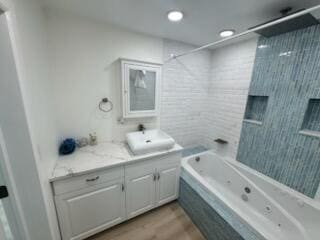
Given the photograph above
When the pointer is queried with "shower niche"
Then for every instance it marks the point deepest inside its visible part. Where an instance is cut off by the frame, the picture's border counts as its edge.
(256, 109)
(311, 122)
(140, 88)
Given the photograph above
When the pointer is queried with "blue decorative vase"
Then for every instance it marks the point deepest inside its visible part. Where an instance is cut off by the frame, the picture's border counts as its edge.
(67, 146)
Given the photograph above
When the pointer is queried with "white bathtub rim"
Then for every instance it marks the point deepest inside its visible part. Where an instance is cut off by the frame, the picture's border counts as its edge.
(313, 202)
(278, 205)
(230, 205)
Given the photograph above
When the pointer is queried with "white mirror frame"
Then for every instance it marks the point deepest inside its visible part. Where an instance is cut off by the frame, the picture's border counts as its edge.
(126, 65)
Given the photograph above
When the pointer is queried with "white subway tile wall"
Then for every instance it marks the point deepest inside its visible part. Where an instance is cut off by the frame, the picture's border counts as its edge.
(184, 94)
(204, 94)
(231, 70)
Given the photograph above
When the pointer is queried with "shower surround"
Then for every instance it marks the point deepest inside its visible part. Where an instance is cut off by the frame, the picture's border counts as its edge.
(204, 94)
(204, 98)
(285, 143)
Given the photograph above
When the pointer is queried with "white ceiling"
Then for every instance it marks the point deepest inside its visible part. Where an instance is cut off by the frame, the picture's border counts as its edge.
(203, 18)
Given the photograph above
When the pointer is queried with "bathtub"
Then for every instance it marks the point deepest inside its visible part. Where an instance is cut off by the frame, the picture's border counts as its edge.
(270, 209)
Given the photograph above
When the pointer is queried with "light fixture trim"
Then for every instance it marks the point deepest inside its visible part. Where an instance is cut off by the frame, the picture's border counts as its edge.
(227, 33)
(175, 15)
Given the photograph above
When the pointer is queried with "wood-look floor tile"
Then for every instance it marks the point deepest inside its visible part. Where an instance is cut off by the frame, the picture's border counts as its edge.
(165, 223)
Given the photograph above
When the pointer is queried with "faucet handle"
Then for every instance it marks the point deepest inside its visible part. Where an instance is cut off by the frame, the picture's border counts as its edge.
(141, 127)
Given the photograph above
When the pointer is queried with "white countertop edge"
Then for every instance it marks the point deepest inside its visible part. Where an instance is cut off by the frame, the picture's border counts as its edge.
(133, 158)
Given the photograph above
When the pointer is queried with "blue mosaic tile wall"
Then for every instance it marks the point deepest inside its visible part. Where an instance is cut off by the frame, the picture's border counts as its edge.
(209, 222)
(287, 70)
(212, 216)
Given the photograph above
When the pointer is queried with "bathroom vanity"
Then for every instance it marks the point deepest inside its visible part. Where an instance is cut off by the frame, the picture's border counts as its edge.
(101, 186)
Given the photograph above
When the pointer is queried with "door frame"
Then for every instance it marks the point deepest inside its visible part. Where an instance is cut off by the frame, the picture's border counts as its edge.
(20, 230)
(2, 234)
(10, 203)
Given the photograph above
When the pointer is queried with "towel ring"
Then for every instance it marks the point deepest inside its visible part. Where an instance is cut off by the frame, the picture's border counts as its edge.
(103, 102)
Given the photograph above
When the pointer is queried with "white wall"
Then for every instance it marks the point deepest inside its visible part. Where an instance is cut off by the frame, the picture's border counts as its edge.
(184, 93)
(84, 68)
(203, 95)
(31, 170)
(231, 70)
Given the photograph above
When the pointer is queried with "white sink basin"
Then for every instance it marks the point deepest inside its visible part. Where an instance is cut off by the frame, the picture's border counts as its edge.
(149, 141)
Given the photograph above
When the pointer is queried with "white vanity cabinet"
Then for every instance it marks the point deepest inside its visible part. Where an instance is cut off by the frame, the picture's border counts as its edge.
(140, 188)
(151, 184)
(168, 182)
(90, 203)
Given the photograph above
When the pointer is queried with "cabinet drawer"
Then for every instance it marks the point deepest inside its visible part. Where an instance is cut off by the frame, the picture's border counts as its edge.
(174, 158)
(87, 180)
(152, 163)
(140, 168)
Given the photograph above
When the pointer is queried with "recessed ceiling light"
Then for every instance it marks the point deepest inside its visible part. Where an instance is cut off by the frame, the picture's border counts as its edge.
(175, 16)
(227, 33)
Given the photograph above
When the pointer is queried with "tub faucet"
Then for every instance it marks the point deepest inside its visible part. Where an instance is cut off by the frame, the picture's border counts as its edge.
(142, 128)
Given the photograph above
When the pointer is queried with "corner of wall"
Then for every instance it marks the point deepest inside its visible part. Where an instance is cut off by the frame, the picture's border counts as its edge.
(36, 91)
(230, 77)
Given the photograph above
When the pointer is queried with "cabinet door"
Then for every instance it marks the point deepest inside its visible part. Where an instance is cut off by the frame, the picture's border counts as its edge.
(168, 183)
(140, 189)
(140, 88)
(86, 212)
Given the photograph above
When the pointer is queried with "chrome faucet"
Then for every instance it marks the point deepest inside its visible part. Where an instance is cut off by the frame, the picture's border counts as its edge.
(142, 128)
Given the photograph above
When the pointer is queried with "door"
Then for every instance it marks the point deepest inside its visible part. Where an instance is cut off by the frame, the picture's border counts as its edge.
(5, 210)
(8, 226)
(140, 192)
(86, 212)
(7, 221)
(19, 171)
(167, 183)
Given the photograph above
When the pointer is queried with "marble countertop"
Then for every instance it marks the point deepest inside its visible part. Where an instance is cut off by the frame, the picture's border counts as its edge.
(102, 156)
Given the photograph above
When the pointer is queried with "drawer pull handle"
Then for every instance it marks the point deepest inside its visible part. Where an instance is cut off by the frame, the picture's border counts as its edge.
(93, 179)
(158, 176)
(154, 177)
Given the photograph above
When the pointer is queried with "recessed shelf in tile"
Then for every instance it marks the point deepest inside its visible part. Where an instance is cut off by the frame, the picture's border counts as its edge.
(256, 108)
(252, 121)
(310, 133)
(311, 122)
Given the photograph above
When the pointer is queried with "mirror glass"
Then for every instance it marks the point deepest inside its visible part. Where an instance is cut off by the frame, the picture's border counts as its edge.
(142, 90)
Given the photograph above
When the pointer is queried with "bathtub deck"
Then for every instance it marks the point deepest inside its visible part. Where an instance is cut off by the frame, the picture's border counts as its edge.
(166, 223)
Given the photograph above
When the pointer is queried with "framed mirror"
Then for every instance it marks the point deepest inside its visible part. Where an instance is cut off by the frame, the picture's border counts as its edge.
(140, 88)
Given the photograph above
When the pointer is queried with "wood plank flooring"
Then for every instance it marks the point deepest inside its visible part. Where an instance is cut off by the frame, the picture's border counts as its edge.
(165, 223)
